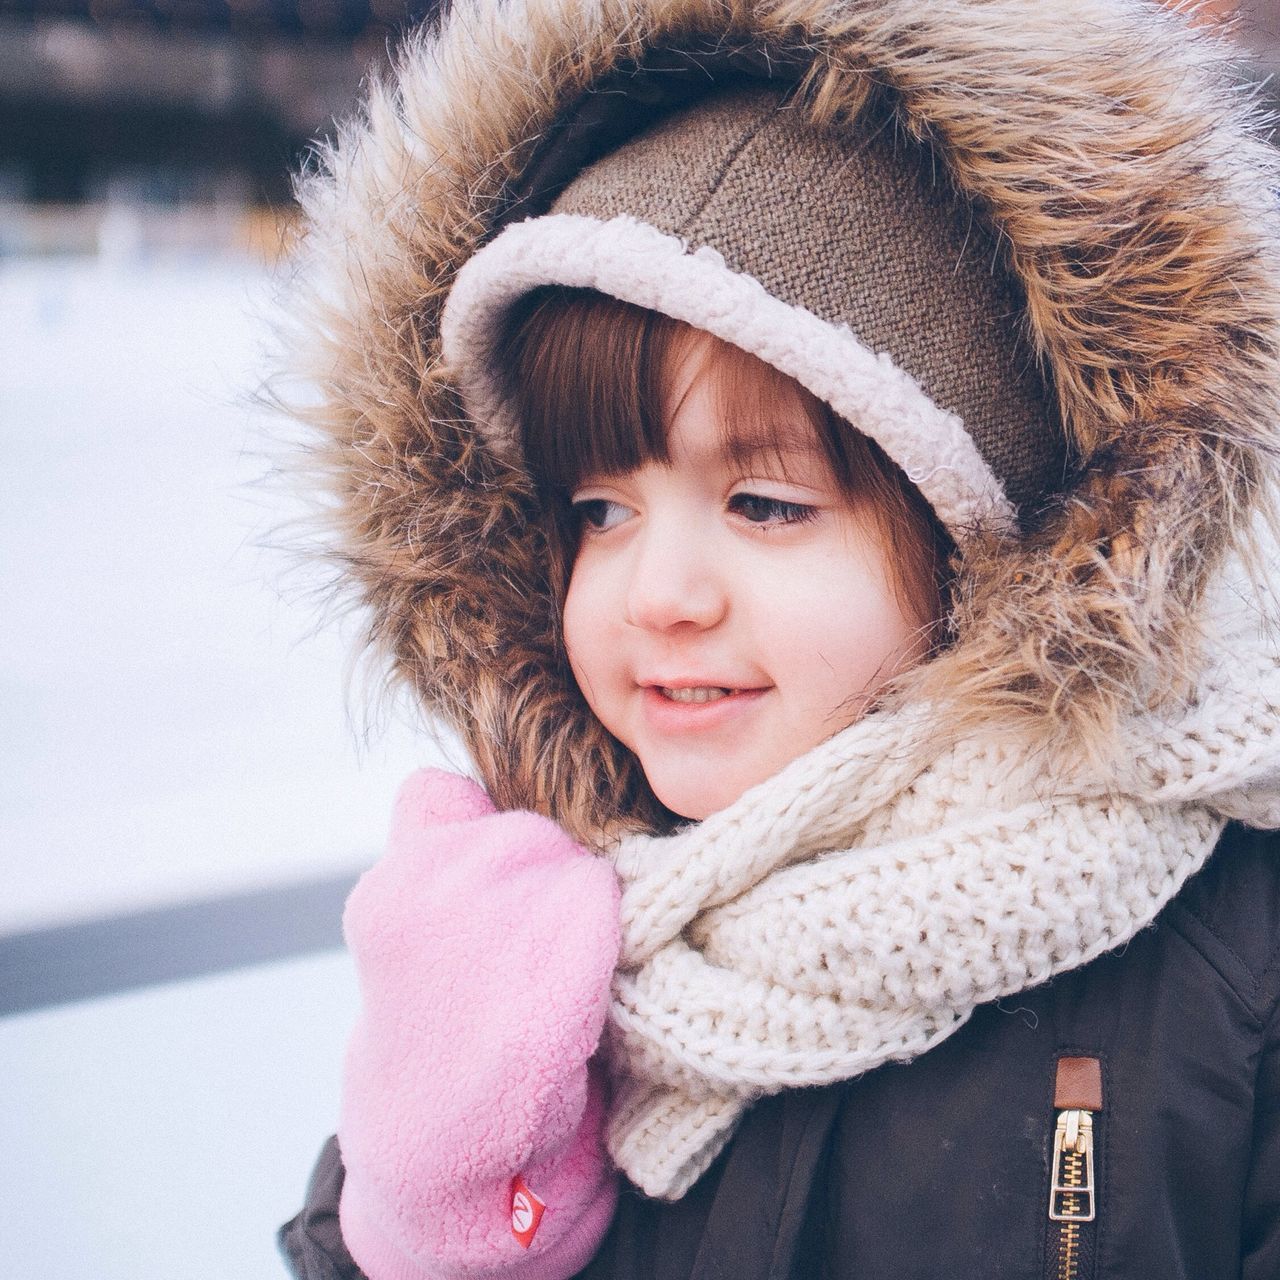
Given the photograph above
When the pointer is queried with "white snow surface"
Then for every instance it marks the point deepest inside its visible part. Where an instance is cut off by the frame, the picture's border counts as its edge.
(176, 718)
(165, 1134)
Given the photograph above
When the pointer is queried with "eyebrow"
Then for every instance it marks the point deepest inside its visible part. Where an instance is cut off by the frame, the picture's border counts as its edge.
(745, 447)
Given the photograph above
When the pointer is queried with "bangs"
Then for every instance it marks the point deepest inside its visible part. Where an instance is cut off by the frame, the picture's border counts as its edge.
(585, 377)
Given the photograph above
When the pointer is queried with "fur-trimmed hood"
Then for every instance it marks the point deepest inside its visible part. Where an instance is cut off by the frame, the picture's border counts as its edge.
(1135, 198)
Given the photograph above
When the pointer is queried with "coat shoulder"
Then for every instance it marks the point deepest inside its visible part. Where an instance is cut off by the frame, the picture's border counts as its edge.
(1230, 912)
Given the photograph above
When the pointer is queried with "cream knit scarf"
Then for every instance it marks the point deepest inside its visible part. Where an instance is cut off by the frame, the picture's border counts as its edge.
(854, 909)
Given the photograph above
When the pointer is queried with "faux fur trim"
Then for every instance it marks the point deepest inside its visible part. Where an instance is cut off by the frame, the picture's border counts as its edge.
(637, 263)
(1130, 185)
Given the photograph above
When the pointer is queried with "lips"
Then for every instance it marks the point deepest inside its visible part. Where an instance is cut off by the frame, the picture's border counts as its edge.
(686, 706)
(681, 683)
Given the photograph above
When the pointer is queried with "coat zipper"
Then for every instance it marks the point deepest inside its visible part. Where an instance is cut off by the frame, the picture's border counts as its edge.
(1073, 1191)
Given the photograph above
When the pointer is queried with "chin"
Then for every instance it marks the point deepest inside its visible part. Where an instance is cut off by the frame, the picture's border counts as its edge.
(693, 802)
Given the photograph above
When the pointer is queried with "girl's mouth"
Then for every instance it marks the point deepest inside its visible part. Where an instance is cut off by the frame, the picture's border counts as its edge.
(696, 708)
(698, 693)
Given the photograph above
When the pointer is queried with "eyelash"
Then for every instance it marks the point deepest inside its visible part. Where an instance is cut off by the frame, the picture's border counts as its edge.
(785, 512)
(779, 511)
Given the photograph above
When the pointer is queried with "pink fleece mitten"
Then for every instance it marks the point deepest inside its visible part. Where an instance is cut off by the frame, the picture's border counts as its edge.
(472, 1119)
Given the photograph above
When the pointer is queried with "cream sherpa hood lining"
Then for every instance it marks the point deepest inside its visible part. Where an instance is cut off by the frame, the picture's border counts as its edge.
(637, 263)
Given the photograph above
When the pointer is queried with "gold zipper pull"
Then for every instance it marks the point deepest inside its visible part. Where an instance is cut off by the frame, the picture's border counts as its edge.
(1071, 1188)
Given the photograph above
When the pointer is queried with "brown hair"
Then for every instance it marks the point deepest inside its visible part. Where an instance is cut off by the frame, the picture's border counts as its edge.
(583, 376)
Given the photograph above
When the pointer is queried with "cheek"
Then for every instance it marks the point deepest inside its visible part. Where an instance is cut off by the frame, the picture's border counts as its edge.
(838, 629)
(878, 642)
(573, 619)
(585, 624)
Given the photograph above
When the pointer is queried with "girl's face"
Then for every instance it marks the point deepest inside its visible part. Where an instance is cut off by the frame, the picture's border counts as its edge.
(723, 617)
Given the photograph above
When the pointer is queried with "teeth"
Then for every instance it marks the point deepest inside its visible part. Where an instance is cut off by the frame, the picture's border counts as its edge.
(701, 694)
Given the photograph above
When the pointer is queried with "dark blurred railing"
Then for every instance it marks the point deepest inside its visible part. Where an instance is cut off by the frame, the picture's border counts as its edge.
(178, 101)
(313, 19)
(94, 958)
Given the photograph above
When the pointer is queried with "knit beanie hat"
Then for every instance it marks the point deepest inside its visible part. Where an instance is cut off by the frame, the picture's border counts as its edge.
(851, 267)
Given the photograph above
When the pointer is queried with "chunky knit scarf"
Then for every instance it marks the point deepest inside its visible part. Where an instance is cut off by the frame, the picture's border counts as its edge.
(856, 908)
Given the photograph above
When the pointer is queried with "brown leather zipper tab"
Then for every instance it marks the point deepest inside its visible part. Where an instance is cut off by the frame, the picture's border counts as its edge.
(1078, 1085)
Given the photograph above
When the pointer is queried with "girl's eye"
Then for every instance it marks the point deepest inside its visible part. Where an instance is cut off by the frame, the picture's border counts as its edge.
(599, 513)
(758, 509)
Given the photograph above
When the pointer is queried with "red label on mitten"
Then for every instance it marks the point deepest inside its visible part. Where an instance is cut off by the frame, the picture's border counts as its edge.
(526, 1211)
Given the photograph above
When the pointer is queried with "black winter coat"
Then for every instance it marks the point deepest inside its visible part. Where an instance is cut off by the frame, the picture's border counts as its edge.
(941, 1167)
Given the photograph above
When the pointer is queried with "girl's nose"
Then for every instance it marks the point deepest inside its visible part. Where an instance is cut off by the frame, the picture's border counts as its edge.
(674, 581)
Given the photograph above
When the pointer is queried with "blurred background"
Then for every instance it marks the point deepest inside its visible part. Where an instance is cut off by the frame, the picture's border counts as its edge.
(192, 772)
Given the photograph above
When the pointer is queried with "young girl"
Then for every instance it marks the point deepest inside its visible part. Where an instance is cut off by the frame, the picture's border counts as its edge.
(818, 457)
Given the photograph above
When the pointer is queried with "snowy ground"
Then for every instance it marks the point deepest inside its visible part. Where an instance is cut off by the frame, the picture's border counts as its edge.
(165, 1134)
(172, 727)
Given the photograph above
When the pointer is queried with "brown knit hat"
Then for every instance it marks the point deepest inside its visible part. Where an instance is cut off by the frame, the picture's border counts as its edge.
(740, 217)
